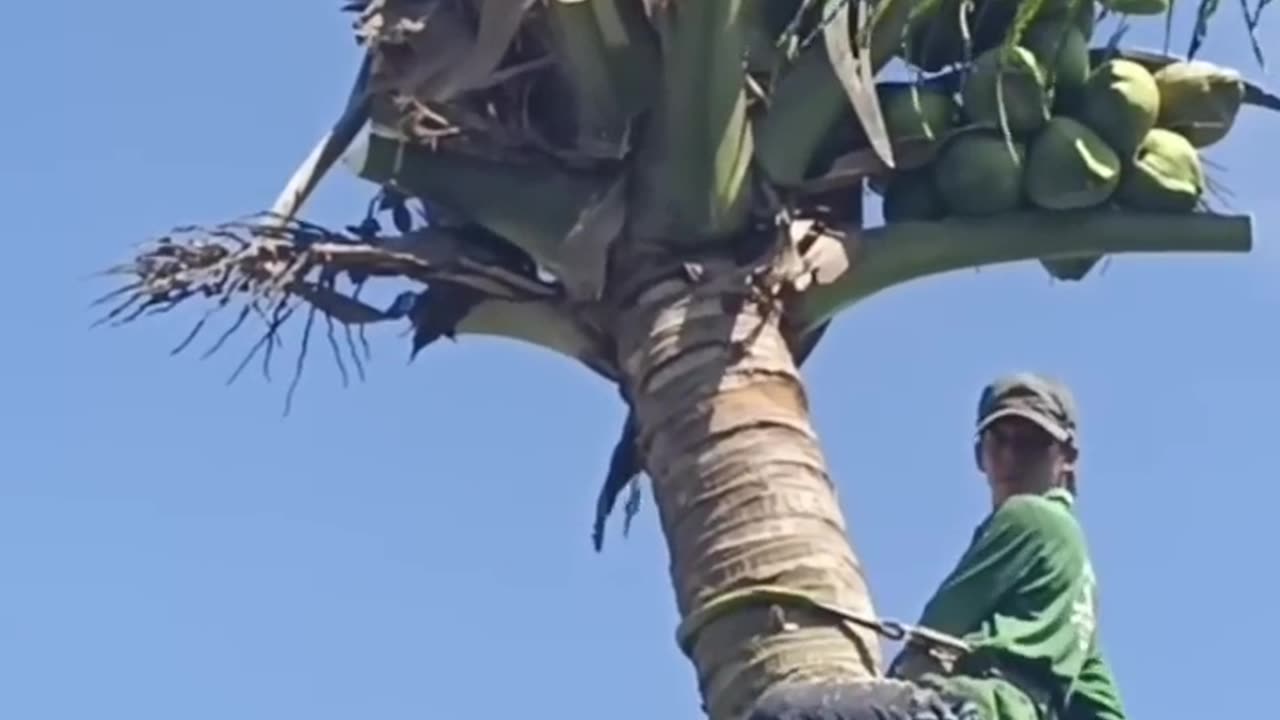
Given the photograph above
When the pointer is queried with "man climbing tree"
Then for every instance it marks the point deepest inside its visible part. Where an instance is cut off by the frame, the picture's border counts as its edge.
(1023, 594)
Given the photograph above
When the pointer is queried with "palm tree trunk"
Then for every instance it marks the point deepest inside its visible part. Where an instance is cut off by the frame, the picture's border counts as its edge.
(742, 490)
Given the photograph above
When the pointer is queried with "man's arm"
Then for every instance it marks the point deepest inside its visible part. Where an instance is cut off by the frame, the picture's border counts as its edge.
(1002, 554)
(1095, 695)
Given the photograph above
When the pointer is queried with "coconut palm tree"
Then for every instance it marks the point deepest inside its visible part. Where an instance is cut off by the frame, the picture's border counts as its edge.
(669, 192)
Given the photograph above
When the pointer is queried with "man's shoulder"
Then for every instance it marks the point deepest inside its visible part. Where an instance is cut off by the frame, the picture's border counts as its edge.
(1033, 504)
(1036, 512)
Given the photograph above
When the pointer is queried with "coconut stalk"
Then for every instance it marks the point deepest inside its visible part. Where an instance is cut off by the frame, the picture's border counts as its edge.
(888, 256)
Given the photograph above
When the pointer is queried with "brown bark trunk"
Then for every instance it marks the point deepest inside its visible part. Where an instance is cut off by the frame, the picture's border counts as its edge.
(742, 491)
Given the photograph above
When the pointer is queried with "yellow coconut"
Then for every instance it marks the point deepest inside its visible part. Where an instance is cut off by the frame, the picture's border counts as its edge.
(1010, 79)
(1120, 102)
(1070, 167)
(978, 172)
(1165, 174)
(1199, 100)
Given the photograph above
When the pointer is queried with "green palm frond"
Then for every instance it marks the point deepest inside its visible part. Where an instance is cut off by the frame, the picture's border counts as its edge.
(694, 169)
(1251, 22)
(810, 118)
(534, 204)
(608, 52)
(1206, 10)
(894, 254)
(807, 104)
(855, 70)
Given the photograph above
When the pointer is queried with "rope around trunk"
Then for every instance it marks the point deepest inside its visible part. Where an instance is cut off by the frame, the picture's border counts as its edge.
(694, 623)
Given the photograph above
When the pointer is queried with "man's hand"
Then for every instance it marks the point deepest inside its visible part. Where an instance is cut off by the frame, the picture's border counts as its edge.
(915, 661)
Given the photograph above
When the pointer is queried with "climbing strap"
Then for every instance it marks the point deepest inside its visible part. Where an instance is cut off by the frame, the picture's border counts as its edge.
(694, 623)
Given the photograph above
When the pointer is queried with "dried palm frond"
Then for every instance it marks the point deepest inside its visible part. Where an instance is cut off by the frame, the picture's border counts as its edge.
(266, 257)
(274, 266)
(505, 76)
(464, 279)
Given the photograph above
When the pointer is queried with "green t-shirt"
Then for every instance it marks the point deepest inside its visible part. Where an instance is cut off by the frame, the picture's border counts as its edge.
(1025, 592)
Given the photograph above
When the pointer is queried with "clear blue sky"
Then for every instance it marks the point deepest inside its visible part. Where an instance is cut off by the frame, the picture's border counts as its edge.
(418, 547)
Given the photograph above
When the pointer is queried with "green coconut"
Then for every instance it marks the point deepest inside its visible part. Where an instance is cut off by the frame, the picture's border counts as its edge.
(1164, 176)
(1080, 14)
(979, 172)
(891, 29)
(912, 195)
(1199, 100)
(1070, 167)
(1063, 51)
(916, 115)
(936, 38)
(1120, 102)
(1016, 80)
(1137, 7)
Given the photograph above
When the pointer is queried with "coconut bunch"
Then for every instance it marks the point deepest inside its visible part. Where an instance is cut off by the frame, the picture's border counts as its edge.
(1024, 133)
(1038, 125)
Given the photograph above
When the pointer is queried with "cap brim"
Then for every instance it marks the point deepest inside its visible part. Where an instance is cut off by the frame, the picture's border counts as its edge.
(1056, 431)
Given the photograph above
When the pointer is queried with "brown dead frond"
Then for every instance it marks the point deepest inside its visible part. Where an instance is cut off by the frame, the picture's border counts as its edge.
(463, 74)
(271, 268)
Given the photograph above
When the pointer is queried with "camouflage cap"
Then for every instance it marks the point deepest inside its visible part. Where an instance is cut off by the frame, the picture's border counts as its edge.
(1043, 401)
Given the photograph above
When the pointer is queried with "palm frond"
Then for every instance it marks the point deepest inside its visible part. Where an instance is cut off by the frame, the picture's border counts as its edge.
(1251, 22)
(328, 149)
(528, 200)
(694, 168)
(1205, 10)
(855, 70)
(807, 104)
(273, 267)
(607, 50)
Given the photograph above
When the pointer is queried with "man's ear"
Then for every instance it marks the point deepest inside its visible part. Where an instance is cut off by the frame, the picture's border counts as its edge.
(1070, 456)
(977, 455)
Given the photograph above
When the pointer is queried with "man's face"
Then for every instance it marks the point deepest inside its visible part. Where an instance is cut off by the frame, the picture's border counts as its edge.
(1019, 456)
